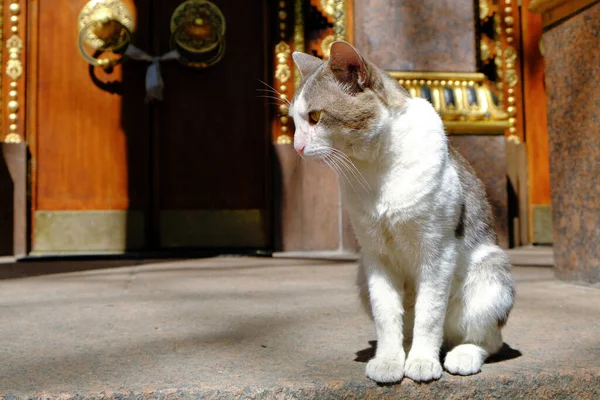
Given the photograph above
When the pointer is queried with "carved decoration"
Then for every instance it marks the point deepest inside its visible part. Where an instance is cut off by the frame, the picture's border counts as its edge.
(498, 56)
(282, 75)
(14, 70)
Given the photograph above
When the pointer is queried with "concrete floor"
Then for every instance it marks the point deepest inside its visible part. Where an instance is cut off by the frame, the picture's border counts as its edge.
(260, 328)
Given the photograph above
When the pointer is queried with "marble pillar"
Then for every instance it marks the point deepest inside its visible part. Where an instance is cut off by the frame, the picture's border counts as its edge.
(572, 57)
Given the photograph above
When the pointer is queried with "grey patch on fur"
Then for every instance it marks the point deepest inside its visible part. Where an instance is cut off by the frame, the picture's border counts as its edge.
(502, 321)
(478, 222)
(459, 231)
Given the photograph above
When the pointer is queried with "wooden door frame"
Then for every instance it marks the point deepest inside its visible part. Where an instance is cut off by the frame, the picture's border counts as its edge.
(21, 123)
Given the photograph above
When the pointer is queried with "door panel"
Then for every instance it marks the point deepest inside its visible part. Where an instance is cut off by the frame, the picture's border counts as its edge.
(91, 146)
(212, 146)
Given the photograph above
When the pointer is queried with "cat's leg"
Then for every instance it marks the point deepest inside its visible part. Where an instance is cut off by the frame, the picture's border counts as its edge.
(487, 298)
(433, 286)
(362, 282)
(386, 306)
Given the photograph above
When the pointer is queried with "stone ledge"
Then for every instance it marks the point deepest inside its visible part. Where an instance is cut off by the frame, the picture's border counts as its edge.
(258, 328)
(577, 385)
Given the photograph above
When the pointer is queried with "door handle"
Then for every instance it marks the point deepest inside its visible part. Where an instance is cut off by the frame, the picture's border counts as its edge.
(105, 27)
(198, 33)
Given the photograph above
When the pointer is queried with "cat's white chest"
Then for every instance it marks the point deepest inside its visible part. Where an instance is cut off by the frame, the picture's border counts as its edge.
(386, 232)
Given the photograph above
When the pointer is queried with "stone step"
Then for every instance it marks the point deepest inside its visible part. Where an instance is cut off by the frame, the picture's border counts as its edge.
(260, 328)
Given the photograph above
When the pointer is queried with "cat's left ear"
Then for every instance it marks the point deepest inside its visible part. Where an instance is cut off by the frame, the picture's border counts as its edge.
(347, 64)
(306, 63)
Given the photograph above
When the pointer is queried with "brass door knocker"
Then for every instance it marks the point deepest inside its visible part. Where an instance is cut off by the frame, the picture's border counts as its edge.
(105, 27)
(198, 33)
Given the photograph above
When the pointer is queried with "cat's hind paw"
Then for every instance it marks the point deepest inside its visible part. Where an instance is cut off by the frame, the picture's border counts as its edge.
(423, 369)
(385, 370)
(465, 359)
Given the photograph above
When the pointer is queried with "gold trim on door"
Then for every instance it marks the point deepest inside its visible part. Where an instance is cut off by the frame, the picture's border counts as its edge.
(88, 232)
(212, 228)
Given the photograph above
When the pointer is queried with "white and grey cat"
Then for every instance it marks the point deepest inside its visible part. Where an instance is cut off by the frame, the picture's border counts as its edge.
(431, 273)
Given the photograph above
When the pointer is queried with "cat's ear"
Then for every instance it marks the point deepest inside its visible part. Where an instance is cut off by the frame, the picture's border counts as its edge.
(347, 64)
(306, 63)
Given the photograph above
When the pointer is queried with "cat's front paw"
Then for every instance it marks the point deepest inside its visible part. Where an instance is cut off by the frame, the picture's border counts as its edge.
(465, 359)
(423, 369)
(385, 370)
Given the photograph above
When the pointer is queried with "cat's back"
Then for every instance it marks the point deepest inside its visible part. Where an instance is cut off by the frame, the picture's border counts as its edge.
(476, 220)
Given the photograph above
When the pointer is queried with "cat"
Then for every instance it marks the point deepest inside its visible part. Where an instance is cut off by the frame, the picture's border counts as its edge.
(430, 272)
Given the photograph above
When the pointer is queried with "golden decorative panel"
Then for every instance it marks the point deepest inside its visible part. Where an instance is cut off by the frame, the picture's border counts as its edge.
(464, 100)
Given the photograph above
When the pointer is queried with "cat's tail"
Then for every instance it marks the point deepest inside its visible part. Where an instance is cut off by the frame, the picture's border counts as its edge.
(488, 294)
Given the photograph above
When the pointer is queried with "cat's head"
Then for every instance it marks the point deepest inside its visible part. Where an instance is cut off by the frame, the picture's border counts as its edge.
(342, 103)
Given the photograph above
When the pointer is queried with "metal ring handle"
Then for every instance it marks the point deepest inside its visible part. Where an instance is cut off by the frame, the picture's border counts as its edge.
(104, 62)
(104, 26)
(198, 33)
(194, 59)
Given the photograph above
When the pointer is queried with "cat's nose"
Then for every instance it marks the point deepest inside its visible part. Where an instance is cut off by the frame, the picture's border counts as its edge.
(299, 147)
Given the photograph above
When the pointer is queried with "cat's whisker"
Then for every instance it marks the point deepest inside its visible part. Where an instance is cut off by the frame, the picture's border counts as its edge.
(339, 166)
(334, 167)
(285, 101)
(269, 91)
(332, 162)
(353, 166)
(349, 165)
(356, 175)
(267, 85)
(273, 90)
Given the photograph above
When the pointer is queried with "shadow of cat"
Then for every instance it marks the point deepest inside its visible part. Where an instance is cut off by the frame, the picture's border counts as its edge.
(504, 354)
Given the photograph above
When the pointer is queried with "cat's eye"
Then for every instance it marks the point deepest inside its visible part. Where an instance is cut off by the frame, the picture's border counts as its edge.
(314, 116)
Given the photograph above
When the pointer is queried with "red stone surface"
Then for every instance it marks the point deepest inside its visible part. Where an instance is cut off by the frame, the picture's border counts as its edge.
(572, 55)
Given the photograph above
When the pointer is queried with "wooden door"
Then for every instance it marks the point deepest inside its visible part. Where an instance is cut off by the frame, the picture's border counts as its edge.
(111, 173)
(212, 153)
